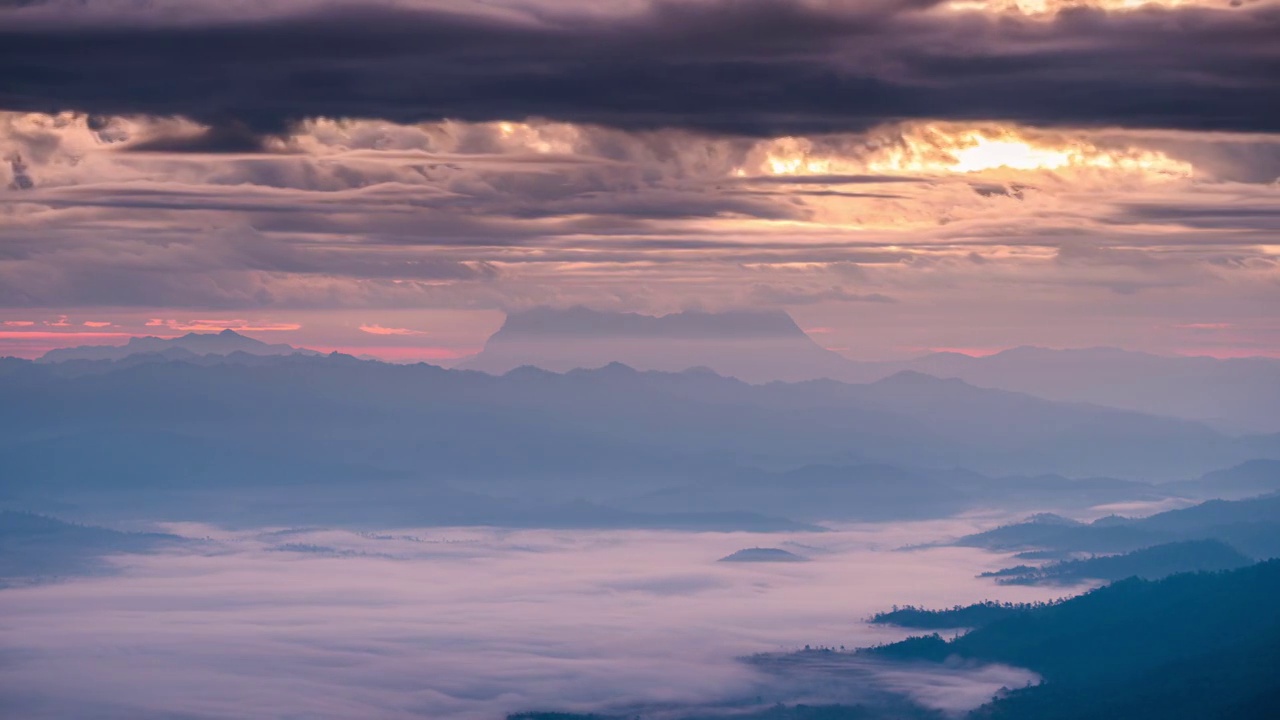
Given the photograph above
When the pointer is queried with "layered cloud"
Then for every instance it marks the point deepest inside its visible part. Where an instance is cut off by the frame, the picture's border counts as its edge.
(899, 167)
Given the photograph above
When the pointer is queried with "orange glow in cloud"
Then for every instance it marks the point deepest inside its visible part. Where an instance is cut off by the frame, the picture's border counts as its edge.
(380, 330)
(211, 325)
(19, 323)
(95, 324)
(1046, 9)
(945, 148)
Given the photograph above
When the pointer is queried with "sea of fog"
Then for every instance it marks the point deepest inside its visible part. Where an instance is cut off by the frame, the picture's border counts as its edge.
(479, 622)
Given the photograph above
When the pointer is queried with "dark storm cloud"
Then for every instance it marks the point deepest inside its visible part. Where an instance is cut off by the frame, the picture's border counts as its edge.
(225, 137)
(754, 67)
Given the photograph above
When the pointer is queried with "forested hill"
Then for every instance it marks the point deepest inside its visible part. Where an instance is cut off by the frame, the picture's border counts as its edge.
(967, 616)
(1199, 645)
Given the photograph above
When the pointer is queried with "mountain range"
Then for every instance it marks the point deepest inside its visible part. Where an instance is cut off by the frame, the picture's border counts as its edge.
(1251, 526)
(758, 347)
(184, 347)
(331, 438)
(1234, 395)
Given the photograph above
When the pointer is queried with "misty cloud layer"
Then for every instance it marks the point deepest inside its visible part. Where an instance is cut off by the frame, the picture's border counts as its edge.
(873, 228)
(475, 623)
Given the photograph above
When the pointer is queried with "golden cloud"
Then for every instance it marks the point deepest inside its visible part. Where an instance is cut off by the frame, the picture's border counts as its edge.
(950, 149)
(380, 330)
(215, 325)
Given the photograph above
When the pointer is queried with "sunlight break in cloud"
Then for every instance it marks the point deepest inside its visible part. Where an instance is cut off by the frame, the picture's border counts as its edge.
(945, 148)
(1045, 9)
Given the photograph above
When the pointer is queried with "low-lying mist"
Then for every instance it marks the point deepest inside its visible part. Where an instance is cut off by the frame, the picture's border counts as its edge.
(479, 622)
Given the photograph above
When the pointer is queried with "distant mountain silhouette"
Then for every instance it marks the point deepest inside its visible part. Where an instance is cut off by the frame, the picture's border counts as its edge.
(760, 346)
(755, 346)
(1256, 477)
(180, 348)
(1238, 394)
(764, 346)
(1250, 526)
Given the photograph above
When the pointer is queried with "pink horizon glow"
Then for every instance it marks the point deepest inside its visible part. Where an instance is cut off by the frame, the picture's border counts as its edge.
(32, 343)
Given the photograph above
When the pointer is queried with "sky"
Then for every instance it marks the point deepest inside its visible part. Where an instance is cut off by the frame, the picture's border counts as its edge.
(480, 622)
(389, 177)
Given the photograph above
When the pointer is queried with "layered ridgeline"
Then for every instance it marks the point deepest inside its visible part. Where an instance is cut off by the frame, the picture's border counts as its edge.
(1237, 394)
(1150, 563)
(603, 447)
(1248, 479)
(189, 346)
(1250, 526)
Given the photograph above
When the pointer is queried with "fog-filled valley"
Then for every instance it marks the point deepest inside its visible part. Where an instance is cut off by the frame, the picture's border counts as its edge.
(447, 622)
(213, 527)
